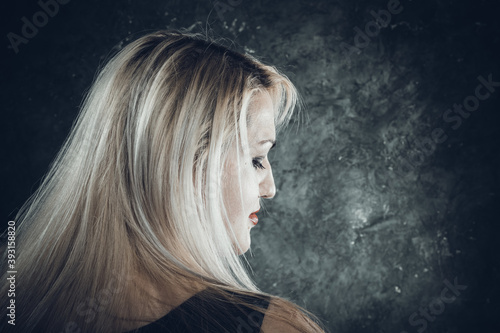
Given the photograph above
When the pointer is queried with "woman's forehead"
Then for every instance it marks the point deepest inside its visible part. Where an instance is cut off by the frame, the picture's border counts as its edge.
(261, 115)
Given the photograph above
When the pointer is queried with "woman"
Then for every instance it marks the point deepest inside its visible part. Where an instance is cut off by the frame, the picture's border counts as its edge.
(141, 221)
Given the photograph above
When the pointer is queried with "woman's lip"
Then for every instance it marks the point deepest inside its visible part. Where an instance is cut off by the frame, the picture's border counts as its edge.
(254, 218)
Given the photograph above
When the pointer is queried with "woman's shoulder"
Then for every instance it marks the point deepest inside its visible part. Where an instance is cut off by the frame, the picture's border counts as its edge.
(211, 312)
(248, 312)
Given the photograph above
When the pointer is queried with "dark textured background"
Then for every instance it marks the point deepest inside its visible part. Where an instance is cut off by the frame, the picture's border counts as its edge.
(366, 225)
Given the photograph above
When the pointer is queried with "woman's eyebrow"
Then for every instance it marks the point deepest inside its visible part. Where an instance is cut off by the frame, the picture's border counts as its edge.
(268, 140)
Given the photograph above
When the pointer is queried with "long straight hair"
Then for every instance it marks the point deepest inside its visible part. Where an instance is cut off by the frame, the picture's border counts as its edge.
(136, 187)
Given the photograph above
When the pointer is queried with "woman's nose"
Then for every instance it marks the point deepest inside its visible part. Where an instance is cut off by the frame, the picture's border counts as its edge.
(267, 187)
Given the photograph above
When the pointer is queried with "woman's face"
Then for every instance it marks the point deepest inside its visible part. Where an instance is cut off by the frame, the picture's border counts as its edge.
(255, 171)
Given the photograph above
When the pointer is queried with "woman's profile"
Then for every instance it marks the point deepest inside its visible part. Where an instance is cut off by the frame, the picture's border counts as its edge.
(141, 222)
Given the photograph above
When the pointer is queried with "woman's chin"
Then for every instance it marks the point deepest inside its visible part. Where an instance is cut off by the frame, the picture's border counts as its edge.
(244, 244)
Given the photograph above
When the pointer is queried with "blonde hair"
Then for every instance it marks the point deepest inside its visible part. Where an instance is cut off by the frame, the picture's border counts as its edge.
(136, 188)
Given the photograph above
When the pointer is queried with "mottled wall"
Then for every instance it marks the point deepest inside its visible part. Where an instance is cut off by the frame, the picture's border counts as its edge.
(384, 197)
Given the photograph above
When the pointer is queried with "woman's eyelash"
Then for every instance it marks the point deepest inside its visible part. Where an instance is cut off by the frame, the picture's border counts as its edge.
(257, 163)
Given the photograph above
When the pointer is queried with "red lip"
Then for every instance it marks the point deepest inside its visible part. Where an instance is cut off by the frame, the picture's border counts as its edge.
(254, 218)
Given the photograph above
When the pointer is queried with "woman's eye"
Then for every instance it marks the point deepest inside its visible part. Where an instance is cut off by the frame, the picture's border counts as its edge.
(257, 163)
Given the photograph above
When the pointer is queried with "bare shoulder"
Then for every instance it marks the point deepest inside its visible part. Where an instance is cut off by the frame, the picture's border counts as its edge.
(291, 320)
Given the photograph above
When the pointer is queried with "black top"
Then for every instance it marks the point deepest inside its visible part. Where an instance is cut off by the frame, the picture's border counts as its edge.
(219, 316)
